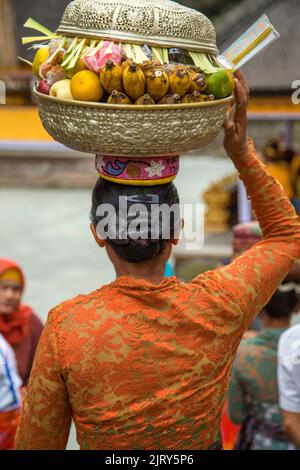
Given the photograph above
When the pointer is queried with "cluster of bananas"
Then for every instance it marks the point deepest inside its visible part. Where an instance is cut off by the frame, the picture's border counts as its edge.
(152, 83)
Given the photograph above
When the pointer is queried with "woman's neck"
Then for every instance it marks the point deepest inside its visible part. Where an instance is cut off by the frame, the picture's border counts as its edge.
(151, 271)
(152, 274)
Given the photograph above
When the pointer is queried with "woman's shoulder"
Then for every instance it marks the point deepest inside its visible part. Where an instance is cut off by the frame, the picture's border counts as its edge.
(79, 303)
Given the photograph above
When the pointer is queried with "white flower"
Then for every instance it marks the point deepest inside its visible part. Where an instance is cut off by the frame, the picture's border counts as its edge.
(155, 169)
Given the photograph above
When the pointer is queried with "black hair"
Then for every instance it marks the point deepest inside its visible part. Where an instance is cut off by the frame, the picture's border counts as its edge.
(133, 248)
(282, 304)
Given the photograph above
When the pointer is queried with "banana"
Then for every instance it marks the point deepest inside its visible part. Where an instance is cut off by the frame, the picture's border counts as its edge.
(193, 68)
(157, 84)
(170, 99)
(149, 65)
(208, 97)
(197, 97)
(117, 97)
(170, 68)
(126, 63)
(198, 82)
(145, 100)
(194, 97)
(180, 81)
(134, 81)
(111, 77)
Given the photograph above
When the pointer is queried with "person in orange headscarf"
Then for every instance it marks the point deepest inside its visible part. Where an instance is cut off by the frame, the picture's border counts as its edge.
(19, 325)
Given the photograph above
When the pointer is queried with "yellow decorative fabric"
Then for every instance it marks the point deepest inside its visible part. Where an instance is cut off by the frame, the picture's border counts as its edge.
(139, 182)
(11, 275)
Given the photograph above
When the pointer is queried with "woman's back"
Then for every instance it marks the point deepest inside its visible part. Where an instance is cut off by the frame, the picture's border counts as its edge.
(150, 366)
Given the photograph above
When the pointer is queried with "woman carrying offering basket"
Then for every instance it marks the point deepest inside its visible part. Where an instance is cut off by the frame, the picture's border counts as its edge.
(144, 362)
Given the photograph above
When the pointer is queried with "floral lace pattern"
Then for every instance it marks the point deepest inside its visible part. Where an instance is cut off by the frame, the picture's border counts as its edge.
(143, 366)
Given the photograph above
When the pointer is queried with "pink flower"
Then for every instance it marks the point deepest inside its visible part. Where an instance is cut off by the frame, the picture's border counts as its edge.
(108, 51)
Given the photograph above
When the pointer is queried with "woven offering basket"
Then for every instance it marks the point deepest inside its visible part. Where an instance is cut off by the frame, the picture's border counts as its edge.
(130, 130)
(135, 130)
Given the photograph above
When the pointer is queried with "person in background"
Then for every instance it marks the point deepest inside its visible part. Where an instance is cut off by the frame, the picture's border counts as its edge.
(277, 159)
(19, 325)
(295, 173)
(169, 270)
(294, 276)
(253, 400)
(10, 397)
(289, 382)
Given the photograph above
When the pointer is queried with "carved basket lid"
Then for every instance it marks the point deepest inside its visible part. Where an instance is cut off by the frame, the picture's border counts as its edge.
(161, 23)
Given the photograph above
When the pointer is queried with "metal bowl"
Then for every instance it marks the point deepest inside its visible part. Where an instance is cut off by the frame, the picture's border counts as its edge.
(122, 130)
(154, 22)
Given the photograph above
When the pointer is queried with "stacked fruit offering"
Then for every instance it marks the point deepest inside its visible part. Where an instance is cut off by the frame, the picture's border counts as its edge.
(127, 74)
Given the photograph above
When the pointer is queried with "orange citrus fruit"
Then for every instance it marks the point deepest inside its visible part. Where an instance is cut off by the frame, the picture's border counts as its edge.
(86, 86)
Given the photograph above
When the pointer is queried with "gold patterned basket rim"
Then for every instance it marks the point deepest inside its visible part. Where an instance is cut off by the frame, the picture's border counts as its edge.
(132, 107)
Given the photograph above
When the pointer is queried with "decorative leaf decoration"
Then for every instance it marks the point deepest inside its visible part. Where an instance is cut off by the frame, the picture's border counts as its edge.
(76, 56)
(166, 56)
(72, 46)
(93, 52)
(201, 60)
(109, 48)
(25, 61)
(32, 24)
(140, 57)
(158, 54)
(128, 51)
(37, 38)
(59, 47)
(71, 52)
(91, 46)
(37, 46)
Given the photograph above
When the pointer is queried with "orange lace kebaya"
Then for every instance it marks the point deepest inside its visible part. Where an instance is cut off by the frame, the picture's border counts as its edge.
(143, 366)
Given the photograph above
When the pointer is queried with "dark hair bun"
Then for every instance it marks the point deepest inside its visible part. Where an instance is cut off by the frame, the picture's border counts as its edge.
(132, 247)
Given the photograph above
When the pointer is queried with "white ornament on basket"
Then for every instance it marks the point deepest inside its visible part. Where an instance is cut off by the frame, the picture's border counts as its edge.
(155, 168)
